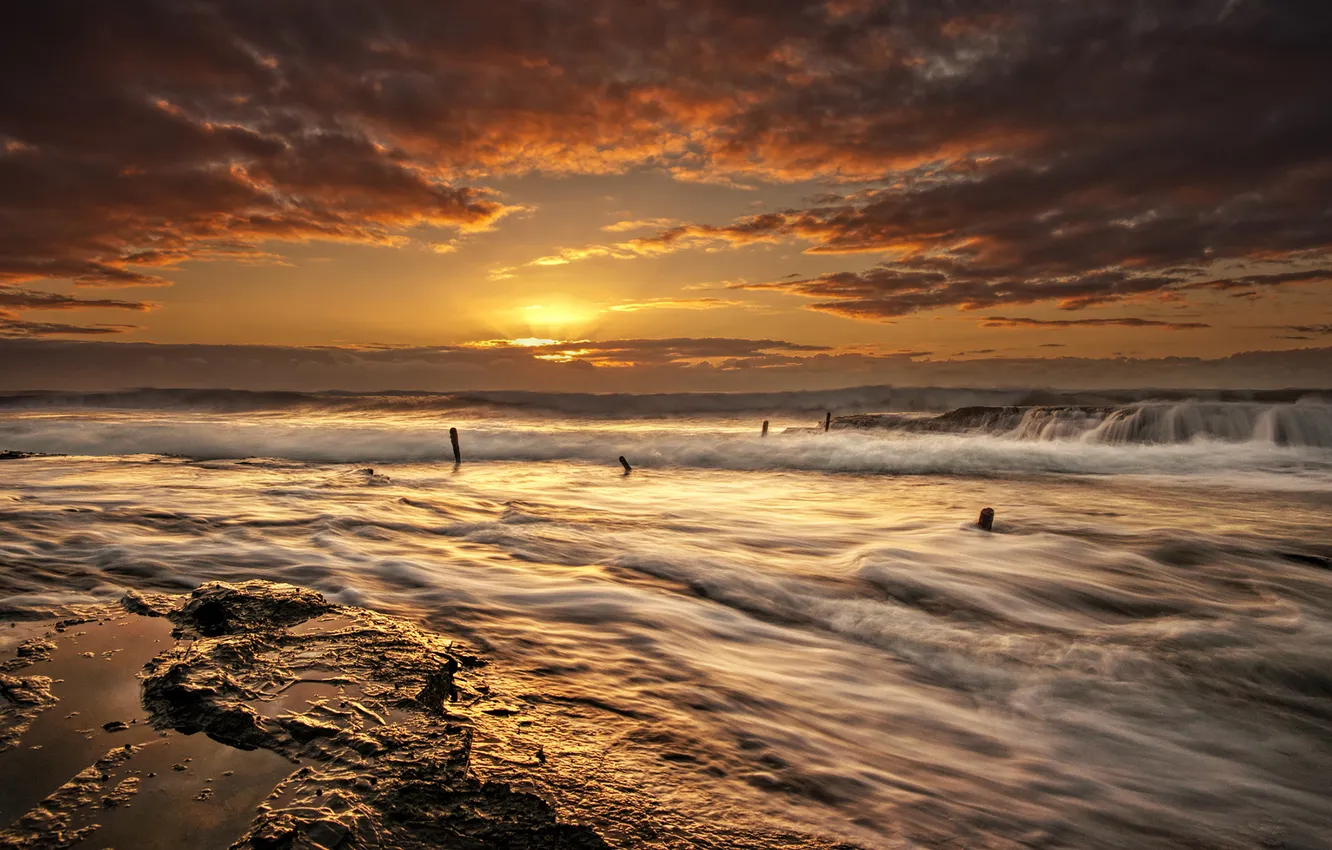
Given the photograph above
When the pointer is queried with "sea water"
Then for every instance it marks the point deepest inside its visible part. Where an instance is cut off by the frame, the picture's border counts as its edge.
(797, 635)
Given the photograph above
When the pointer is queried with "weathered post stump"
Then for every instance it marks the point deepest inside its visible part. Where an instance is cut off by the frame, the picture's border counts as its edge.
(627, 468)
(986, 521)
(457, 452)
(827, 421)
(765, 428)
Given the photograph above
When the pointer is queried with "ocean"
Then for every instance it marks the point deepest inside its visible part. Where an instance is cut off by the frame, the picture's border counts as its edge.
(802, 637)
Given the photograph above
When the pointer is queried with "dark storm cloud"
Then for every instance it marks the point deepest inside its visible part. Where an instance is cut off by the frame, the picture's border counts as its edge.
(1018, 151)
(1083, 154)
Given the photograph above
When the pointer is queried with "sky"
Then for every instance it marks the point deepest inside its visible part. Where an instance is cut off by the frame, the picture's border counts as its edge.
(665, 194)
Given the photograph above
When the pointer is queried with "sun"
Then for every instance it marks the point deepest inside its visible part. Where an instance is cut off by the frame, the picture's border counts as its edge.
(554, 319)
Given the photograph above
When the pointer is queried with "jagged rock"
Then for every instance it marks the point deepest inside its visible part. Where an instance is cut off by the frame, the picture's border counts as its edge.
(22, 698)
(148, 604)
(388, 748)
(50, 825)
(219, 608)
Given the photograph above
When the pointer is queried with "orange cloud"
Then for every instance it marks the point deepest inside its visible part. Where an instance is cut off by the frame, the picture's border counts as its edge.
(674, 304)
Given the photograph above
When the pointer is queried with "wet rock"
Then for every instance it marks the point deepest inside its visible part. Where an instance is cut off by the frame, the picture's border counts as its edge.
(30, 652)
(305, 729)
(379, 711)
(22, 698)
(328, 834)
(51, 824)
(219, 608)
(439, 688)
(966, 419)
(67, 623)
(148, 604)
(192, 699)
(122, 793)
(377, 718)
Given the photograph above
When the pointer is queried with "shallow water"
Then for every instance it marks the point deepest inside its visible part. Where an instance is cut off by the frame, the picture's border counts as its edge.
(151, 797)
(801, 632)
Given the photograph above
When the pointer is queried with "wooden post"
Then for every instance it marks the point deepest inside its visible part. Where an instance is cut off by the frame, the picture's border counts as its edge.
(627, 468)
(765, 428)
(457, 452)
(986, 521)
(827, 421)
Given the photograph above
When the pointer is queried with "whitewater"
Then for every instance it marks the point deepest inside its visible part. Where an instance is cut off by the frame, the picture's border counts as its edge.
(800, 639)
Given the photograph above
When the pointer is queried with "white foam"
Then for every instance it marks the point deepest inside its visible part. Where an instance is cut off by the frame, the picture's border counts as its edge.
(1260, 462)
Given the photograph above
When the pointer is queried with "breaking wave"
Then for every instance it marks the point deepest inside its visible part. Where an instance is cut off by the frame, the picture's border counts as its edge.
(1299, 467)
(1305, 423)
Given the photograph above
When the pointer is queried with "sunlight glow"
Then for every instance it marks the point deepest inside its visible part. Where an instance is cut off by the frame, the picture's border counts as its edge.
(565, 355)
(556, 315)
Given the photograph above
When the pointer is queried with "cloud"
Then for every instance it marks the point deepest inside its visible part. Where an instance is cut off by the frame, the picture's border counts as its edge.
(997, 151)
(639, 224)
(1247, 282)
(81, 214)
(720, 364)
(27, 299)
(16, 300)
(12, 327)
(638, 353)
(886, 292)
(932, 283)
(668, 241)
(1310, 330)
(675, 304)
(1123, 322)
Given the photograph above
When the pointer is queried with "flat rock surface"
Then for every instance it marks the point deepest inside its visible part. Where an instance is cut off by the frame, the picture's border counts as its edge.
(255, 715)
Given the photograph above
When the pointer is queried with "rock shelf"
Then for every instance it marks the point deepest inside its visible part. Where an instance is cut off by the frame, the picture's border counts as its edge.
(268, 718)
